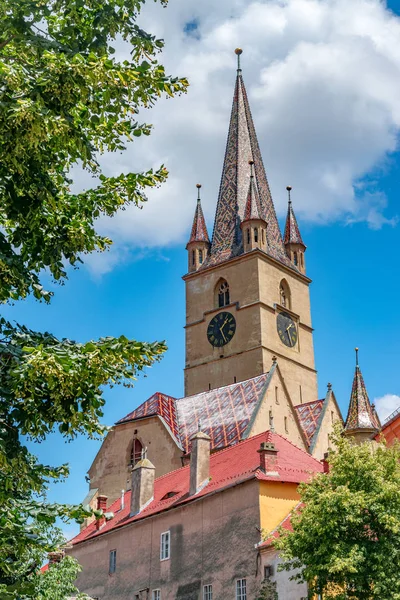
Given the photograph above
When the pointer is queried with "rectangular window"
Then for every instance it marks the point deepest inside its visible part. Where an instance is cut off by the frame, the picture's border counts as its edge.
(332, 416)
(156, 595)
(165, 546)
(241, 593)
(276, 395)
(113, 562)
(268, 571)
(207, 592)
(286, 425)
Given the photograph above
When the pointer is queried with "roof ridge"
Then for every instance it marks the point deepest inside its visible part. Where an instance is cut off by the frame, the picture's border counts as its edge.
(237, 383)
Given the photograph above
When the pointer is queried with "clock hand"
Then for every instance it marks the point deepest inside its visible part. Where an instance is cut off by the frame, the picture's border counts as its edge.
(222, 334)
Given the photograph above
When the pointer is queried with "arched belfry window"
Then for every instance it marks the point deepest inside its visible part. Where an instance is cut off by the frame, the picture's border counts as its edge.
(200, 257)
(295, 260)
(284, 294)
(256, 234)
(136, 452)
(223, 293)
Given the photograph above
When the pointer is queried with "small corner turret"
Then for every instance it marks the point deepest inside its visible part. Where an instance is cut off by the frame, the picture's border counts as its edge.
(253, 226)
(295, 247)
(198, 245)
(361, 424)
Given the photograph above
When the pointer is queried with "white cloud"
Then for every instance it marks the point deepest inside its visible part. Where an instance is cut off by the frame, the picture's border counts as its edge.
(386, 404)
(323, 77)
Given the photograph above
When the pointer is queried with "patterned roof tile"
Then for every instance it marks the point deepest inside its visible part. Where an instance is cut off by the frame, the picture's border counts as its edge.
(242, 146)
(360, 415)
(292, 233)
(309, 415)
(199, 231)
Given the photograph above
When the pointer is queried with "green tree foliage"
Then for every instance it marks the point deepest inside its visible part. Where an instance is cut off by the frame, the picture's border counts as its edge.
(64, 100)
(348, 533)
(267, 591)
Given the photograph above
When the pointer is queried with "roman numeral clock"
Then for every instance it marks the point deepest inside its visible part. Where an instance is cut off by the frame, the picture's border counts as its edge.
(221, 329)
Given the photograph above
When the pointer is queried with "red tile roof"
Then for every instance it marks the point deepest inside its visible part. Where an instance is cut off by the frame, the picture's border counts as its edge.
(224, 413)
(232, 465)
(309, 415)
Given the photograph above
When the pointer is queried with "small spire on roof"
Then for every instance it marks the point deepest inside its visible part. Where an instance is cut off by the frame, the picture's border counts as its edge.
(199, 231)
(252, 209)
(360, 417)
(292, 233)
(238, 52)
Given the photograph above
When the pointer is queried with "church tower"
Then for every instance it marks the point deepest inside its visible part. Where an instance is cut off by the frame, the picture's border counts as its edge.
(248, 300)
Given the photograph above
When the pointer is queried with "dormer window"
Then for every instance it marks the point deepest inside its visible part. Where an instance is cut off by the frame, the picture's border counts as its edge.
(136, 452)
(223, 294)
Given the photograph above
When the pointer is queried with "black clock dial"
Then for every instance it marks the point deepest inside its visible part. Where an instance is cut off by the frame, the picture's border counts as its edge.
(221, 329)
(287, 329)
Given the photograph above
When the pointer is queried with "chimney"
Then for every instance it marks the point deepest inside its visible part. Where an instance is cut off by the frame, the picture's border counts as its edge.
(55, 557)
(268, 458)
(199, 462)
(325, 462)
(143, 475)
(101, 505)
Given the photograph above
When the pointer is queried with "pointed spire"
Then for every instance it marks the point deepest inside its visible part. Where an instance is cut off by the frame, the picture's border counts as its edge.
(360, 418)
(199, 228)
(242, 146)
(252, 209)
(292, 232)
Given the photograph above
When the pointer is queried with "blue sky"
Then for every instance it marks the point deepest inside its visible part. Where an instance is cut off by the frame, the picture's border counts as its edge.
(353, 258)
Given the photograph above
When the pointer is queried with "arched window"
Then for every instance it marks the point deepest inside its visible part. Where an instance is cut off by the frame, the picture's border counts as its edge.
(136, 452)
(295, 258)
(223, 293)
(193, 257)
(248, 236)
(301, 260)
(255, 234)
(284, 294)
(262, 235)
(200, 257)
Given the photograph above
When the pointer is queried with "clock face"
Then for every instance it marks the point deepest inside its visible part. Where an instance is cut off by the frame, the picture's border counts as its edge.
(287, 329)
(221, 329)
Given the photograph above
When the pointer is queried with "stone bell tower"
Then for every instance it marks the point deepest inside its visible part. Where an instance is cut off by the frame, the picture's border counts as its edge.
(247, 294)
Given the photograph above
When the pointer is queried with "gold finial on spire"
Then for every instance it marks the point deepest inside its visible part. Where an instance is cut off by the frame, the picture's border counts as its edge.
(289, 189)
(238, 52)
(198, 185)
(356, 349)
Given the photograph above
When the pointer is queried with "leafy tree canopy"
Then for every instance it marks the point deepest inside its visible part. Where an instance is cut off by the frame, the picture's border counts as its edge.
(346, 538)
(64, 100)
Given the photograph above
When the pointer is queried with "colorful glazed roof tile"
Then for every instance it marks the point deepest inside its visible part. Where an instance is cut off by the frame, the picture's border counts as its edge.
(309, 416)
(252, 209)
(292, 233)
(199, 231)
(235, 464)
(223, 413)
(360, 415)
(242, 146)
(157, 405)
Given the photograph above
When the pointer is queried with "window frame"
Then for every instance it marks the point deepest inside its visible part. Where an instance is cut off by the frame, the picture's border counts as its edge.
(241, 591)
(156, 594)
(165, 555)
(207, 592)
(269, 568)
(112, 563)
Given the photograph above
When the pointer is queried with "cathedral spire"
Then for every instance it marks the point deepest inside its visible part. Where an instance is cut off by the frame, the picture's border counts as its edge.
(295, 247)
(199, 242)
(361, 423)
(242, 146)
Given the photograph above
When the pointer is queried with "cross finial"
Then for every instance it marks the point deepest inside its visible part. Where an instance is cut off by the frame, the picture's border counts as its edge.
(144, 453)
(329, 387)
(356, 349)
(198, 185)
(238, 52)
(289, 189)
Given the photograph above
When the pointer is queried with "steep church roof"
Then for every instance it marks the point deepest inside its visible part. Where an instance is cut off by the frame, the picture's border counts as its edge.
(360, 415)
(309, 416)
(292, 233)
(242, 146)
(224, 413)
(199, 231)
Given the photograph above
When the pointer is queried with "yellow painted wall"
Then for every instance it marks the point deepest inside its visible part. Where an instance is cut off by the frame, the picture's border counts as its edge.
(277, 499)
